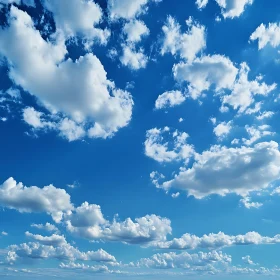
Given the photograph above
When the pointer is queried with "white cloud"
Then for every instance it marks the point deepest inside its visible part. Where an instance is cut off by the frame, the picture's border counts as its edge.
(169, 99)
(256, 133)
(217, 240)
(233, 8)
(47, 227)
(127, 9)
(30, 3)
(34, 118)
(222, 129)
(265, 115)
(91, 268)
(204, 72)
(184, 260)
(175, 195)
(4, 233)
(187, 45)
(221, 170)
(132, 58)
(49, 199)
(248, 260)
(64, 251)
(55, 82)
(246, 201)
(201, 3)
(267, 35)
(53, 240)
(180, 120)
(78, 17)
(135, 30)
(158, 149)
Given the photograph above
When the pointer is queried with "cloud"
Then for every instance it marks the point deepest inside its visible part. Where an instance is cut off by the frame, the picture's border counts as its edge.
(54, 240)
(135, 30)
(267, 35)
(246, 201)
(222, 129)
(184, 260)
(83, 267)
(233, 8)
(256, 133)
(47, 227)
(221, 170)
(187, 45)
(128, 9)
(204, 72)
(78, 18)
(217, 241)
(48, 199)
(248, 260)
(4, 233)
(100, 108)
(132, 58)
(158, 149)
(201, 3)
(169, 99)
(64, 251)
(30, 3)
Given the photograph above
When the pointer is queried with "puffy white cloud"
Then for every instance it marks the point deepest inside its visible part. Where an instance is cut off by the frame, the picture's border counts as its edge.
(204, 72)
(201, 3)
(267, 35)
(128, 9)
(222, 129)
(64, 251)
(132, 58)
(184, 260)
(248, 260)
(265, 115)
(233, 8)
(256, 133)
(187, 45)
(221, 170)
(45, 73)
(157, 148)
(30, 3)
(47, 227)
(169, 99)
(78, 17)
(35, 119)
(49, 199)
(135, 30)
(246, 201)
(91, 268)
(217, 240)
(53, 240)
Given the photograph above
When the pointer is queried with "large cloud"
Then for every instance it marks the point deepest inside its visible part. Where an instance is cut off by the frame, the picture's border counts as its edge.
(77, 89)
(49, 199)
(221, 170)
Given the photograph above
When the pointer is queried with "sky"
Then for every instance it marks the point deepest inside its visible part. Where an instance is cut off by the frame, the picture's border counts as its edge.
(139, 139)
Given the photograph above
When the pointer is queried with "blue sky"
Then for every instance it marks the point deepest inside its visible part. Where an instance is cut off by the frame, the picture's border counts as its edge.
(139, 139)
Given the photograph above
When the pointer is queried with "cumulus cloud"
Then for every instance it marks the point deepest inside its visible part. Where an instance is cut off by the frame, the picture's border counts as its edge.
(169, 99)
(221, 170)
(187, 45)
(48, 199)
(222, 129)
(78, 18)
(233, 8)
(53, 240)
(100, 106)
(158, 149)
(47, 227)
(248, 260)
(135, 30)
(128, 9)
(255, 133)
(246, 201)
(84, 267)
(217, 240)
(267, 35)
(64, 251)
(201, 3)
(132, 58)
(184, 260)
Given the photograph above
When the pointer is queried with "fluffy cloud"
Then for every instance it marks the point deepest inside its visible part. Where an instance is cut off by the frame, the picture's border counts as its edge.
(184, 260)
(45, 73)
(256, 133)
(127, 9)
(78, 17)
(233, 8)
(49, 199)
(221, 170)
(91, 268)
(135, 30)
(169, 99)
(222, 129)
(246, 201)
(30, 3)
(132, 58)
(158, 149)
(187, 45)
(204, 72)
(267, 35)
(47, 227)
(217, 241)
(64, 251)
(219, 73)
(201, 3)
(54, 240)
